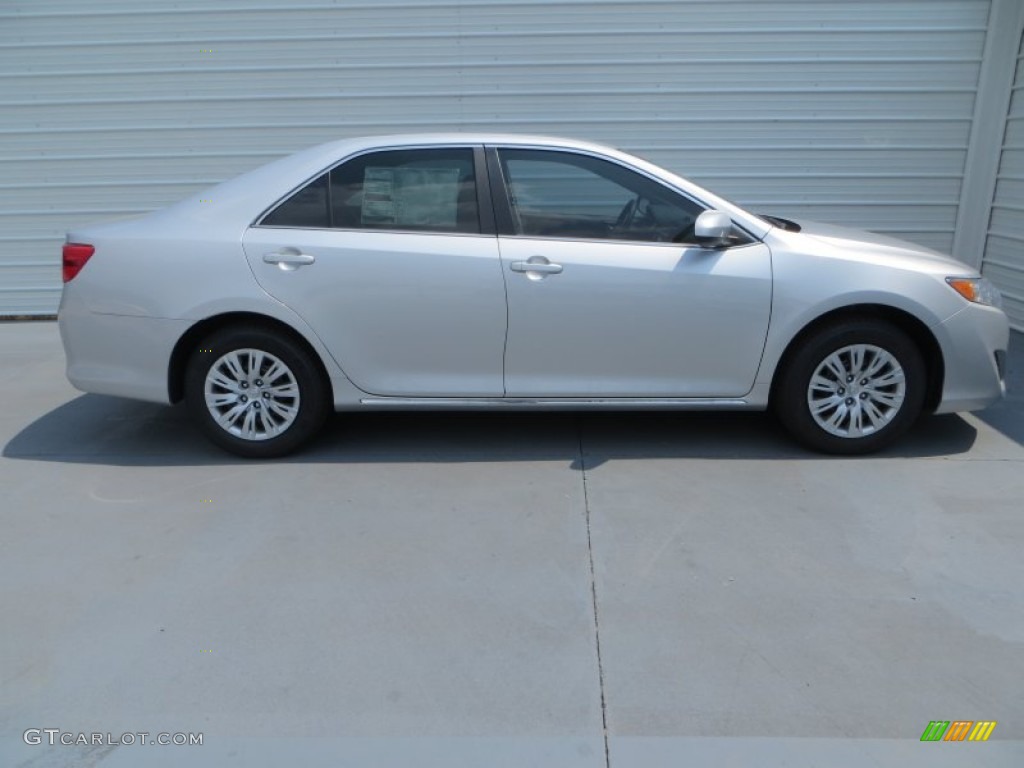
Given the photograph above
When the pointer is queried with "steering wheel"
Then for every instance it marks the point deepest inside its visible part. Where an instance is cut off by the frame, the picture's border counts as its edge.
(625, 218)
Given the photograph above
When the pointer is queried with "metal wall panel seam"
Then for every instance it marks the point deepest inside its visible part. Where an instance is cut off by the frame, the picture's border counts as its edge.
(560, 33)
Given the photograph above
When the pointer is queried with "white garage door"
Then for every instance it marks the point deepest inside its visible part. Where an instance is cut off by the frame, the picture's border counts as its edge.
(851, 112)
(1004, 247)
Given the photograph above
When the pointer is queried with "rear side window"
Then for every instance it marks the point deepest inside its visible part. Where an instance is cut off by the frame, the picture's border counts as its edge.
(422, 190)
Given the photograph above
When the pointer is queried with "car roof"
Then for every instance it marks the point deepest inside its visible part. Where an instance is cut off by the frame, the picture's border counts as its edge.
(458, 137)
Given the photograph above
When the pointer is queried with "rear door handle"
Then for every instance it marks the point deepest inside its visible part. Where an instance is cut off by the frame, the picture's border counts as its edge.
(536, 264)
(289, 258)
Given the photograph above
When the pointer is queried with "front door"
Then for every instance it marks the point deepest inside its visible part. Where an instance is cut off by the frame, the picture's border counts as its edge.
(609, 297)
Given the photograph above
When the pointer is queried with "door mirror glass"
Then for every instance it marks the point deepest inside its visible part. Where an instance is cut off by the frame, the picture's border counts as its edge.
(712, 229)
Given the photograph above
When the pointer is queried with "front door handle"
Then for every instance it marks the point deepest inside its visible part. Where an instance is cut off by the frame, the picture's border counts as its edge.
(536, 266)
(289, 259)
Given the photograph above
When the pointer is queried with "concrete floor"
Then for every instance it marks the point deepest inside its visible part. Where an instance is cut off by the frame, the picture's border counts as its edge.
(515, 590)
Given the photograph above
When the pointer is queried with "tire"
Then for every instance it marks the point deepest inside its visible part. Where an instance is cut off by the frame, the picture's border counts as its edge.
(230, 366)
(851, 388)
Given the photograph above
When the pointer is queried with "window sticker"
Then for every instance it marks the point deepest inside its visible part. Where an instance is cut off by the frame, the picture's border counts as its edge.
(410, 197)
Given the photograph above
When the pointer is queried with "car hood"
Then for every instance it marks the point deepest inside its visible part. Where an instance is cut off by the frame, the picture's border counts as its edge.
(842, 242)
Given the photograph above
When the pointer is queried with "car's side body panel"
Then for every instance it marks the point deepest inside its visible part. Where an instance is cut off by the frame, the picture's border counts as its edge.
(147, 286)
(403, 314)
(816, 275)
(635, 319)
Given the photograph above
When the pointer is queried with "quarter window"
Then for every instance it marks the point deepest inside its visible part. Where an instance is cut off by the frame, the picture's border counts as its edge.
(306, 208)
(423, 190)
(565, 195)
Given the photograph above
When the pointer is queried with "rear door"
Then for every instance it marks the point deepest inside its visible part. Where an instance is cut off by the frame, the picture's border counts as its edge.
(389, 260)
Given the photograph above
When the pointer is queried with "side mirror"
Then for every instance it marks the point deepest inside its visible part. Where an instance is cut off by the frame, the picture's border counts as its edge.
(712, 229)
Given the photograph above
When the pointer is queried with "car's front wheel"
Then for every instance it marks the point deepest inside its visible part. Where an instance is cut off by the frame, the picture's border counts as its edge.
(253, 392)
(852, 387)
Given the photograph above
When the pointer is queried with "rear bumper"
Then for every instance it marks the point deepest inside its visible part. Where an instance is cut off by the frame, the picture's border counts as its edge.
(120, 355)
(974, 343)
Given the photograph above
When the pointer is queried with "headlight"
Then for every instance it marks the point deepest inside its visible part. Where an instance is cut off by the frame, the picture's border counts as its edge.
(976, 289)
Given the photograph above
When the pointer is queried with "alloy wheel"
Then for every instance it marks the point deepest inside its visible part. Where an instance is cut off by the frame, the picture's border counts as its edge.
(252, 394)
(856, 391)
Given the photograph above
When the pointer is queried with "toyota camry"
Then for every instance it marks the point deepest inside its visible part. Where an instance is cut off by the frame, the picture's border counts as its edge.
(464, 271)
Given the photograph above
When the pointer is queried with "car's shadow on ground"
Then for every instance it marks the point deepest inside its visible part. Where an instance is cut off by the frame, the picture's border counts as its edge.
(92, 429)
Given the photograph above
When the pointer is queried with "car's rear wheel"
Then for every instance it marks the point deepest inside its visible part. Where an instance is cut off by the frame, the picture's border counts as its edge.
(852, 387)
(254, 392)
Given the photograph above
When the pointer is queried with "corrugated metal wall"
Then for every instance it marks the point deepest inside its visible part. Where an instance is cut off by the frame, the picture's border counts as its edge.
(851, 112)
(1004, 246)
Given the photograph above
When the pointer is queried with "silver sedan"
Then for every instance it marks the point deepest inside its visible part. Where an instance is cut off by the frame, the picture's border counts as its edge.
(489, 271)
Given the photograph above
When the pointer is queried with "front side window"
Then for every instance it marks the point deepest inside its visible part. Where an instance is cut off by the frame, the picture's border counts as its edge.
(566, 195)
(416, 190)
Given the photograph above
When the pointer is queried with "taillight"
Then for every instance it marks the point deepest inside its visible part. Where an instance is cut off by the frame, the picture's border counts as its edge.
(75, 256)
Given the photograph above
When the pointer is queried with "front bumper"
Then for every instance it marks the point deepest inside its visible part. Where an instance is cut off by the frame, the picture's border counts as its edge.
(974, 343)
